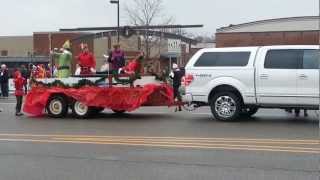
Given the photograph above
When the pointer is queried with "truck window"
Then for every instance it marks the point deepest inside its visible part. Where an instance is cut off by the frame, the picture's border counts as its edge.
(283, 59)
(310, 59)
(212, 59)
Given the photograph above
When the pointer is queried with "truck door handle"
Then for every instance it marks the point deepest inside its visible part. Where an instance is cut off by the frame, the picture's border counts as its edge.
(264, 76)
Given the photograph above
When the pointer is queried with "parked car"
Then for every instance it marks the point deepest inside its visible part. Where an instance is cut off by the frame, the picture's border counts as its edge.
(239, 81)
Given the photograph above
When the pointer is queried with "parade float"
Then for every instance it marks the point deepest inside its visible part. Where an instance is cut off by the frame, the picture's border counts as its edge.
(87, 96)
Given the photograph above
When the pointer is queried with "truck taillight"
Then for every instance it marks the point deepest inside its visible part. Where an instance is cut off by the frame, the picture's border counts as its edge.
(187, 79)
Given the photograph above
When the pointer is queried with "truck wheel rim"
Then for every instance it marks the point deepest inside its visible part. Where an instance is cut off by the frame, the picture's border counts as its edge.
(56, 107)
(80, 108)
(225, 106)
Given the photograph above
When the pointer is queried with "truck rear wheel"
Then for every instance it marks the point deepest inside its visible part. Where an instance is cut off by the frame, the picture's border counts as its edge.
(80, 110)
(225, 106)
(57, 106)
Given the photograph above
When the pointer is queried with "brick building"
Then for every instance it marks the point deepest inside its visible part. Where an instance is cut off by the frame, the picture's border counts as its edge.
(164, 49)
(282, 31)
(16, 46)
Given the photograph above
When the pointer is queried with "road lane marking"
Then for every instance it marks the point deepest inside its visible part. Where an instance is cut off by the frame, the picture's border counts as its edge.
(274, 145)
(9, 103)
(164, 146)
(175, 138)
(198, 141)
(179, 143)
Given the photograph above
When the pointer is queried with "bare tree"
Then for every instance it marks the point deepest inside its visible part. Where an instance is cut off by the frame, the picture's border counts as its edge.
(145, 13)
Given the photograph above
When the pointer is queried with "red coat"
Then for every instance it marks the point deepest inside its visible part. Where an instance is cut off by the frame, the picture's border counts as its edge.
(87, 60)
(19, 84)
(132, 67)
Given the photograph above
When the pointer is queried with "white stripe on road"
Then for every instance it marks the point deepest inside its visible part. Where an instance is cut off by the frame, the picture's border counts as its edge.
(11, 103)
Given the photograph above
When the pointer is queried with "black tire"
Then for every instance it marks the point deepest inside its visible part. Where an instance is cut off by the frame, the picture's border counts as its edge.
(119, 111)
(226, 106)
(248, 112)
(96, 110)
(80, 110)
(57, 106)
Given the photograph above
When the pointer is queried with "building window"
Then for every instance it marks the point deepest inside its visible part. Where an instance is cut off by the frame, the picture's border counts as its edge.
(4, 53)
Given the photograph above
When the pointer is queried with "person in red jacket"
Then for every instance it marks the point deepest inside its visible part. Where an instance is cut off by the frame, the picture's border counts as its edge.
(134, 65)
(86, 61)
(19, 82)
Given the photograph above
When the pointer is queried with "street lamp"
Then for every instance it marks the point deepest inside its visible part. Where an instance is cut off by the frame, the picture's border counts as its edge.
(118, 4)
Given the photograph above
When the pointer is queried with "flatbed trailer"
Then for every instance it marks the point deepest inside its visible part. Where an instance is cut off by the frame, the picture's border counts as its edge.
(88, 100)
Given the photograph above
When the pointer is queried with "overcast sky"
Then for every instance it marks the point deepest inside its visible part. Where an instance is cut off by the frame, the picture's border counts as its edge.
(22, 17)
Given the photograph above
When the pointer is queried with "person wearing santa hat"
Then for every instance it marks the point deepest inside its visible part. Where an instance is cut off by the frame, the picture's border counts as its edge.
(86, 61)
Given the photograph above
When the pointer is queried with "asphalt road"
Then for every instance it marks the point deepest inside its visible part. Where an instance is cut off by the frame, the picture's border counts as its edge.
(156, 143)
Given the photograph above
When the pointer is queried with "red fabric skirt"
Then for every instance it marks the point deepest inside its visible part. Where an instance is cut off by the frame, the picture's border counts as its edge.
(115, 98)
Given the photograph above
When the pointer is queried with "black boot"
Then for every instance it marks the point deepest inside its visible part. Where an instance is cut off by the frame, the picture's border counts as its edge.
(297, 112)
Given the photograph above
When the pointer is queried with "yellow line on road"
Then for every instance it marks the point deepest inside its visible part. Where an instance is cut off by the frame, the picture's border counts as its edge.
(174, 138)
(189, 140)
(163, 146)
(184, 143)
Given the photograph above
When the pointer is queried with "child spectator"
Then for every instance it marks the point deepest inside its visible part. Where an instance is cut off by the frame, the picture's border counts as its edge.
(19, 82)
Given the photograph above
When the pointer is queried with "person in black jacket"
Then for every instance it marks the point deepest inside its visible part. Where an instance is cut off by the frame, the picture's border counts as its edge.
(4, 81)
(176, 76)
(25, 74)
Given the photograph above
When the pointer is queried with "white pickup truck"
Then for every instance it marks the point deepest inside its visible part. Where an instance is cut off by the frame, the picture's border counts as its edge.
(238, 81)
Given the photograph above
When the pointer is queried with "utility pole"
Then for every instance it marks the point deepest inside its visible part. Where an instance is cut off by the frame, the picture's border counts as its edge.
(118, 4)
(319, 85)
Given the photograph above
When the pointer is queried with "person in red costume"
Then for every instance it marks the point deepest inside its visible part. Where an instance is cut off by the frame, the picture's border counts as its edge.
(19, 82)
(86, 61)
(134, 65)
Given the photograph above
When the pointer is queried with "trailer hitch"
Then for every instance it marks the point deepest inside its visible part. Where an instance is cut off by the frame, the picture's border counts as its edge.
(190, 106)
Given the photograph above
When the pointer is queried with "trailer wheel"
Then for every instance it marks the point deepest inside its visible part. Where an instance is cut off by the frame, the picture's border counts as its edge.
(57, 106)
(80, 110)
